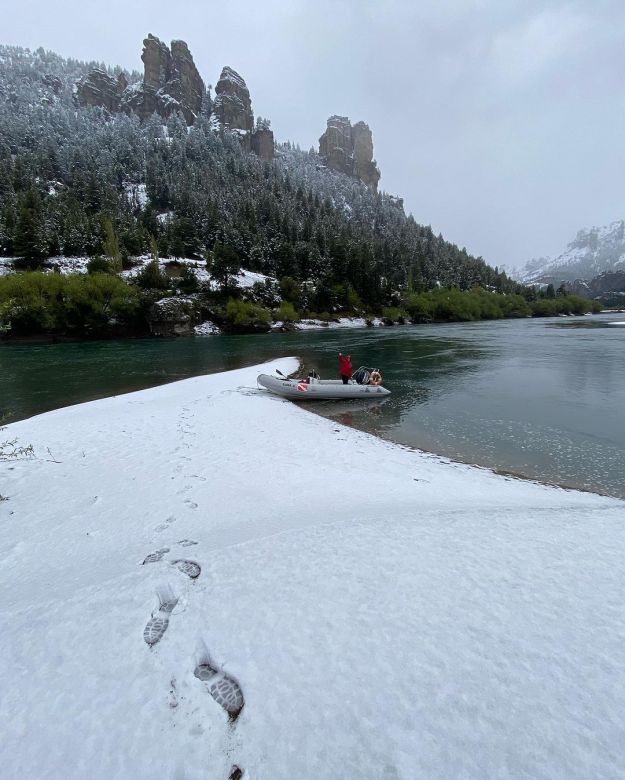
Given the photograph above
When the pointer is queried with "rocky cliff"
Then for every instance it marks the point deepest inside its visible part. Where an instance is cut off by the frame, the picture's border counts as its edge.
(607, 283)
(171, 82)
(262, 141)
(232, 108)
(349, 150)
(185, 83)
(156, 63)
(97, 88)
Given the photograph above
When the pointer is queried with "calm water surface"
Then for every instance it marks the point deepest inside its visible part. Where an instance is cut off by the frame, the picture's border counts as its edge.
(541, 398)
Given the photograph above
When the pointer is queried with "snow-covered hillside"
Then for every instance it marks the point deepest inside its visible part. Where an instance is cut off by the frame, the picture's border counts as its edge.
(72, 175)
(380, 613)
(592, 252)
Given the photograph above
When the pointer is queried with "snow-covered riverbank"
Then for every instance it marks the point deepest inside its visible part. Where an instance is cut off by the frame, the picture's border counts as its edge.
(387, 614)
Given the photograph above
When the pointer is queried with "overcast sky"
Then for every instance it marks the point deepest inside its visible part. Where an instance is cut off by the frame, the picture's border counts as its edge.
(500, 123)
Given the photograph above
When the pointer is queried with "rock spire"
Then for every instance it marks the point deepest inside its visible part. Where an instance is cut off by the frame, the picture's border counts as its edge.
(233, 110)
(349, 149)
(171, 82)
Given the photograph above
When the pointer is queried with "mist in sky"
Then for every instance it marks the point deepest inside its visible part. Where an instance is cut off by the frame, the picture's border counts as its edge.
(500, 123)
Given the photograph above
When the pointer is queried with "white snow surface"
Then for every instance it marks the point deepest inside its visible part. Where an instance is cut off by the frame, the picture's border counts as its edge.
(66, 265)
(387, 613)
(198, 267)
(250, 278)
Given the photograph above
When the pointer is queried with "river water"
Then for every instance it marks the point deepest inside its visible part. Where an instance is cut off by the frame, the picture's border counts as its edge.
(542, 398)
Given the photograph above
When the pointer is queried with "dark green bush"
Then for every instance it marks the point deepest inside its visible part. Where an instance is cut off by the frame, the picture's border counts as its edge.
(287, 312)
(394, 314)
(98, 265)
(188, 282)
(241, 315)
(152, 278)
(36, 302)
(452, 304)
(566, 304)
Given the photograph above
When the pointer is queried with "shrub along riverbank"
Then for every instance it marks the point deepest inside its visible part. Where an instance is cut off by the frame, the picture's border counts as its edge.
(101, 304)
(449, 305)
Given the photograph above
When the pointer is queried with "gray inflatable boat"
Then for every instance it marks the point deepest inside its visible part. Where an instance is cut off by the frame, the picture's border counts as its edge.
(312, 389)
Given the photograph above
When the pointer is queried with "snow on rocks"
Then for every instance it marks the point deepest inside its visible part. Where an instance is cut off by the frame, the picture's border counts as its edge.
(351, 322)
(382, 611)
(172, 304)
(207, 328)
(311, 324)
(6, 265)
(341, 322)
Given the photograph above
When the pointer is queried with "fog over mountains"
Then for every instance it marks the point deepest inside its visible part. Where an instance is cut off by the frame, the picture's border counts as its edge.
(592, 252)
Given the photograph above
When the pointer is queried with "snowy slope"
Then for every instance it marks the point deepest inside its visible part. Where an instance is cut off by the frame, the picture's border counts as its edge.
(591, 253)
(73, 265)
(387, 614)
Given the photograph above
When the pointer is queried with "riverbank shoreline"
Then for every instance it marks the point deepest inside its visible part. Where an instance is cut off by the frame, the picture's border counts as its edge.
(379, 607)
(502, 472)
(341, 323)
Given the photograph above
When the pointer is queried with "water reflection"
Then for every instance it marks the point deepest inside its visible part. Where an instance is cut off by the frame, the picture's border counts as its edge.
(334, 408)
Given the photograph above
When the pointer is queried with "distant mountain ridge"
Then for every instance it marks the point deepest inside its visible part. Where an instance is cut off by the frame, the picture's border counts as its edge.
(593, 252)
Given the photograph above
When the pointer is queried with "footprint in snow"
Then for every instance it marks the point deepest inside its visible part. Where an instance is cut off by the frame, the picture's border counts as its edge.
(155, 556)
(224, 689)
(191, 504)
(164, 526)
(157, 624)
(190, 568)
(236, 773)
(186, 542)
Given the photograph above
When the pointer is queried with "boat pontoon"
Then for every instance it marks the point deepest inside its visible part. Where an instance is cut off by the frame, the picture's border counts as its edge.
(314, 389)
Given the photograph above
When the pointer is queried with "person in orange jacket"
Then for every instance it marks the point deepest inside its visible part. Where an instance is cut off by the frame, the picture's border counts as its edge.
(345, 367)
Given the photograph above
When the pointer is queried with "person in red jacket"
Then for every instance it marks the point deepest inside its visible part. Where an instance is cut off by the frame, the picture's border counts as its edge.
(345, 367)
